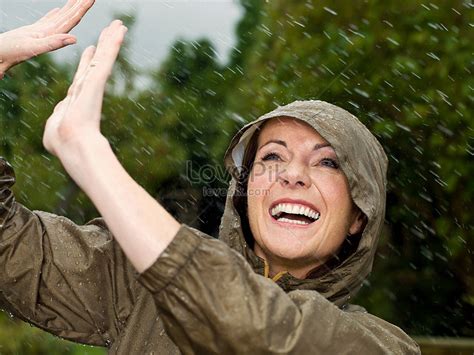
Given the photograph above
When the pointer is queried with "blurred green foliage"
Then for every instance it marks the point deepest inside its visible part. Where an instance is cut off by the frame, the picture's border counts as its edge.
(19, 338)
(404, 68)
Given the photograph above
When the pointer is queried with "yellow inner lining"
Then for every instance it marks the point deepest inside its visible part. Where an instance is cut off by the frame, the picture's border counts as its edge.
(266, 272)
(278, 276)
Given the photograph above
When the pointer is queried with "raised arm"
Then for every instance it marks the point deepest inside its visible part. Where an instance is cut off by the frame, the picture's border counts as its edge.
(47, 34)
(75, 281)
(139, 223)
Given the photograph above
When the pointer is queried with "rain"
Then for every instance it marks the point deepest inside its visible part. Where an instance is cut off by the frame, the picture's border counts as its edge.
(191, 73)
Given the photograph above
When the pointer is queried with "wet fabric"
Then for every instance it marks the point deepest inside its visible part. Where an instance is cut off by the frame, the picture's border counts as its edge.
(201, 295)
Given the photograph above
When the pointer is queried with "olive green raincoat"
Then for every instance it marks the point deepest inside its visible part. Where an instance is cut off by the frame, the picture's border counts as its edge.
(201, 295)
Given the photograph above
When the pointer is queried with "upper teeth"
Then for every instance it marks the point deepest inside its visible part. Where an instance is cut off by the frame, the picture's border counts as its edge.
(294, 209)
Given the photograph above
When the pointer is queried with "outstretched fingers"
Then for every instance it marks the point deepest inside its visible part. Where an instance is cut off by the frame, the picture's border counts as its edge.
(73, 15)
(64, 19)
(86, 92)
(108, 47)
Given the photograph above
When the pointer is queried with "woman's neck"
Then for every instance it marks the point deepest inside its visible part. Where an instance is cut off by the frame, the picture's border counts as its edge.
(275, 266)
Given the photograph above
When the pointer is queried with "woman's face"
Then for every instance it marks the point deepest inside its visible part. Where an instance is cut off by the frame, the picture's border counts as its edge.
(299, 205)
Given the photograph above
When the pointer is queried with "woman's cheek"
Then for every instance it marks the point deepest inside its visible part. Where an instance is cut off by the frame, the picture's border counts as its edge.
(259, 178)
(332, 186)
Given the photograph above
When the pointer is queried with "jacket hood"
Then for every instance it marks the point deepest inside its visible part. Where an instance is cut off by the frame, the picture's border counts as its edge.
(362, 159)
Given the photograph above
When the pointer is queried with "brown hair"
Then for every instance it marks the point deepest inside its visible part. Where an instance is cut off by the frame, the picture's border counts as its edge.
(240, 196)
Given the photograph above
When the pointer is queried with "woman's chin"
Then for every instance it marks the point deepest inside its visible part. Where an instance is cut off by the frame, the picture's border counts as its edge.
(289, 246)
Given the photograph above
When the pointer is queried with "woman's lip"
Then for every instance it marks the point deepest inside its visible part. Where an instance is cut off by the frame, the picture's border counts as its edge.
(293, 201)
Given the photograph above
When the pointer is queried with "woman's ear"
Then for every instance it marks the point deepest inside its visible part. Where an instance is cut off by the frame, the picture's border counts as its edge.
(358, 223)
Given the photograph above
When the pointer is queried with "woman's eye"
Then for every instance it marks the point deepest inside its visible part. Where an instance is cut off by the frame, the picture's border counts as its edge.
(331, 163)
(271, 156)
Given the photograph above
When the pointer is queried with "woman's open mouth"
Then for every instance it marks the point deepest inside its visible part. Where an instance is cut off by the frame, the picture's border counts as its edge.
(294, 213)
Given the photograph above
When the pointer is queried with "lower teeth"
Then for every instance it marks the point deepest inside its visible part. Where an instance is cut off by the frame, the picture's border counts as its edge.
(287, 220)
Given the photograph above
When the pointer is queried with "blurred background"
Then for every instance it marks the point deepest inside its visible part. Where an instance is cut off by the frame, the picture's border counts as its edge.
(192, 72)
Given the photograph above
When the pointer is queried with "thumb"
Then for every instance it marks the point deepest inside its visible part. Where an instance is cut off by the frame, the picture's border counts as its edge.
(51, 43)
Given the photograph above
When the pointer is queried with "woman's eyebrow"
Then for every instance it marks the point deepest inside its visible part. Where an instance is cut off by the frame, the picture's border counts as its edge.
(276, 141)
(321, 145)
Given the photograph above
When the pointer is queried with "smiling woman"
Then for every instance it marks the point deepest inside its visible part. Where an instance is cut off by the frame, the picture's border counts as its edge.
(318, 223)
(307, 212)
(297, 239)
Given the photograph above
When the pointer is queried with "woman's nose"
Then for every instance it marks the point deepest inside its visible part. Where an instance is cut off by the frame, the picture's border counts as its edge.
(294, 175)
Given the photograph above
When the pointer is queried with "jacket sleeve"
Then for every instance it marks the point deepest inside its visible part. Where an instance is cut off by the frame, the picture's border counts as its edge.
(213, 302)
(73, 281)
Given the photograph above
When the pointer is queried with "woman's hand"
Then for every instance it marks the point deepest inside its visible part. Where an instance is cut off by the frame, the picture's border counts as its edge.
(75, 121)
(47, 34)
(142, 227)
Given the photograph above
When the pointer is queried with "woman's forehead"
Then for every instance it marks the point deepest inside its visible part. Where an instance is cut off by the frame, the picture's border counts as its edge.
(288, 128)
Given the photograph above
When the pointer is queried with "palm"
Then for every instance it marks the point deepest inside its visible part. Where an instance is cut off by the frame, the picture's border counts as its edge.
(47, 34)
(77, 117)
